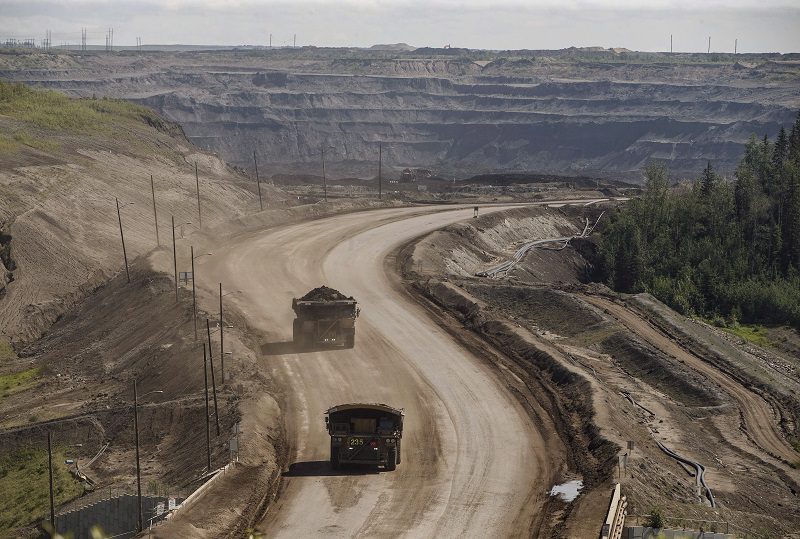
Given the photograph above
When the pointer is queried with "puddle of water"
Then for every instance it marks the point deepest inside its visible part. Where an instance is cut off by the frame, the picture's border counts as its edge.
(567, 491)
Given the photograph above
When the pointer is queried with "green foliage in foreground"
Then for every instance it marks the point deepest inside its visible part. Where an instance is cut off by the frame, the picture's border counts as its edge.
(46, 109)
(6, 351)
(18, 381)
(755, 334)
(717, 247)
(655, 519)
(24, 484)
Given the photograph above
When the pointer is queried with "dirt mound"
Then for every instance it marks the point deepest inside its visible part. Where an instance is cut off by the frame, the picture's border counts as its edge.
(467, 248)
(83, 394)
(324, 293)
(59, 228)
(566, 395)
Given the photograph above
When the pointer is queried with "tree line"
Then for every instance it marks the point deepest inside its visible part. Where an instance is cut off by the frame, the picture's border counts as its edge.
(715, 247)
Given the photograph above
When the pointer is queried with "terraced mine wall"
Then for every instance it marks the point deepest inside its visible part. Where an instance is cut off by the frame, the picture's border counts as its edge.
(456, 116)
(605, 128)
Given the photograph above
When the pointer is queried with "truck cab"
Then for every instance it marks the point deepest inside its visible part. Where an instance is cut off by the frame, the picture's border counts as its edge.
(365, 434)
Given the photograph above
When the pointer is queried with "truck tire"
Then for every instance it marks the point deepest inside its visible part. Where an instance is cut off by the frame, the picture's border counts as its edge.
(350, 338)
(391, 460)
(297, 328)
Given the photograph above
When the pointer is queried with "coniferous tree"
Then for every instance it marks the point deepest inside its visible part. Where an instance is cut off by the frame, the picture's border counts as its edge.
(715, 247)
(708, 179)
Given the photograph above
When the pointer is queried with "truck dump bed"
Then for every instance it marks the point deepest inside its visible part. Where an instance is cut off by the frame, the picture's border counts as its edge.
(325, 317)
(324, 302)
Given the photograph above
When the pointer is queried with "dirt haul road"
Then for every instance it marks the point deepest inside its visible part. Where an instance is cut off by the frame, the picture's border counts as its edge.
(472, 460)
(758, 418)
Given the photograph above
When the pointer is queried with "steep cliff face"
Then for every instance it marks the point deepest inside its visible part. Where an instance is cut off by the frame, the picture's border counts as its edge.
(607, 128)
(454, 115)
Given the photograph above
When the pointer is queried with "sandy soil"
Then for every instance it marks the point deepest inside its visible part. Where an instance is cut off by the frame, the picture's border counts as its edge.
(701, 411)
(63, 224)
(465, 468)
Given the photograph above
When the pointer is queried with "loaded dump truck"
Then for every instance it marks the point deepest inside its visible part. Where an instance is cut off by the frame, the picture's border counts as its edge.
(365, 434)
(325, 318)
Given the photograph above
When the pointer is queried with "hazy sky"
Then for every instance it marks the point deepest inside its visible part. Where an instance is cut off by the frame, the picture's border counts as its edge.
(760, 25)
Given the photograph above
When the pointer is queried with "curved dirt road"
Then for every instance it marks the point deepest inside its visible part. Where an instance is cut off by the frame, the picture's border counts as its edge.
(472, 461)
(756, 414)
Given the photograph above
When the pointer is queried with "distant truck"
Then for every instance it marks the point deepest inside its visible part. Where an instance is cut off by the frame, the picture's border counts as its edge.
(325, 318)
(365, 434)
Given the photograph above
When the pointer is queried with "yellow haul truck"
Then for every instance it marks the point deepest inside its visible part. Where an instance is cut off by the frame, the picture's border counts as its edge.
(365, 434)
(325, 318)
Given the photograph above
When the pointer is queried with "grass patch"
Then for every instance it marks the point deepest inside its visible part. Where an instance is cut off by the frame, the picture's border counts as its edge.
(40, 144)
(47, 109)
(18, 381)
(6, 352)
(24, 483)
(8, 145)
(754, 334)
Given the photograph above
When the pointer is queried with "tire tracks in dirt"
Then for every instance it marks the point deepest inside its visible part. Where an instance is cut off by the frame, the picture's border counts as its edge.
(757, 417)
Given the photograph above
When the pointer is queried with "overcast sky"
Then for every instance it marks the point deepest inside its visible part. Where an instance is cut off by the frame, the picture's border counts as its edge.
(759, 25)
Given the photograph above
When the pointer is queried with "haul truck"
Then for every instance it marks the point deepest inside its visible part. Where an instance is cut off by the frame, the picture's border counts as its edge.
(325, 318)
(365, 434)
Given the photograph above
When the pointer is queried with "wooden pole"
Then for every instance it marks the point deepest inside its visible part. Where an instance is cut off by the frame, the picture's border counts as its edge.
(175, 258)
(213, 381)
(324, 181)
(208, 420)
(155, 214)
(197, 181)
(50, 469)
(121, 235)
(380, 166)
(138, 469)
(194, 295)
(258, 182)
(221, 338)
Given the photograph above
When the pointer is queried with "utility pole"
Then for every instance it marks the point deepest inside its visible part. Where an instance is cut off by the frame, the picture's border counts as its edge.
(258, 182)
(155, 214)
(709, 44)
(324, 181)
(213, 381)
(221, 338)
(735, 45)
(670, 43)
(380, 166)
(295, 42)
(175, 258)
(138, 469)
(270, 41)
(197, 181)
(208, 420)
(194, 295)
(50, 469)
(121, 235)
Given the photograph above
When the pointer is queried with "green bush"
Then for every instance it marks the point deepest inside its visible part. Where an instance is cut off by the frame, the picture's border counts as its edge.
(726, 250)
(654, 519)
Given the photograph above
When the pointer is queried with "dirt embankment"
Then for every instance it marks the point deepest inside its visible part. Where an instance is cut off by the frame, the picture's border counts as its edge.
(465, 249)
(582, 357)
(83, 333)
(771, 372)
(83, 393)
(59, 228)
